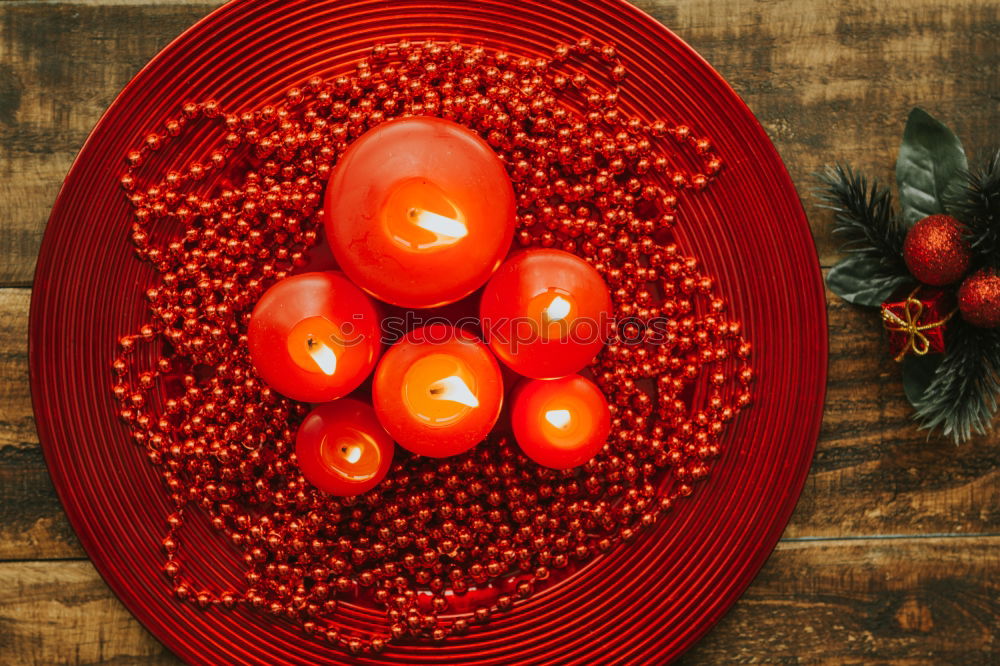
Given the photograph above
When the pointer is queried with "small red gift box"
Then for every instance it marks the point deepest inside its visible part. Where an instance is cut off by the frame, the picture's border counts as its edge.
(917, 323)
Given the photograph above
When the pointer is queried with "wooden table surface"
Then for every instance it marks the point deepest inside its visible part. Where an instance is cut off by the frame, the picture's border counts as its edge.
(893, 554)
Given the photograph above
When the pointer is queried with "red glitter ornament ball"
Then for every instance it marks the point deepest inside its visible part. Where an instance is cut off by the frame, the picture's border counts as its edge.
(935, 250)
(979, 299)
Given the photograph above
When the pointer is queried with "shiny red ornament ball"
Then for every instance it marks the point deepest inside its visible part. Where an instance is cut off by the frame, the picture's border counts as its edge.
(935, 250)
(979, 299)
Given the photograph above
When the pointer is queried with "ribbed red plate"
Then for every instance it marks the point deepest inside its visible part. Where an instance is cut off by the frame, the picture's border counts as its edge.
(645, 602)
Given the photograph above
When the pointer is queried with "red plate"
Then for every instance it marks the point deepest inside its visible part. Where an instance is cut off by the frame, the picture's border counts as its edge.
(645, 602)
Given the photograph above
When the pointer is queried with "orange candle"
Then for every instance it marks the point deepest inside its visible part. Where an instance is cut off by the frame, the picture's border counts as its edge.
(546, 313)
(314, 337)
(342, 449)
(560, 423)
(419, 212)
(438, 391)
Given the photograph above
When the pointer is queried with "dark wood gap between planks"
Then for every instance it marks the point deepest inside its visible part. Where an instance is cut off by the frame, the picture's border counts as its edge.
(826, 541)
(874, 473)
(827, 81)
(918, 602)
(29, 285)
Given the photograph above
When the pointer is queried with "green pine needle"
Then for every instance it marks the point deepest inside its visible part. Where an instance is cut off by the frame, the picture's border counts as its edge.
(978, 205)
(962, 397)
(864, 217)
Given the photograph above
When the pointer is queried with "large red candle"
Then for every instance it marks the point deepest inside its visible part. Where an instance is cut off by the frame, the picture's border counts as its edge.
(342, 449)
(560, 423)
(438, 391)
(314, 337)
(546, 313)
(419, 212)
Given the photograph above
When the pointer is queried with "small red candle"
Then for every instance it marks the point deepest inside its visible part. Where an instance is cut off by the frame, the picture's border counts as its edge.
(560, 423)
(314, 337)
(438, 391)
(546, 313)
(419, 212)
(342, 449)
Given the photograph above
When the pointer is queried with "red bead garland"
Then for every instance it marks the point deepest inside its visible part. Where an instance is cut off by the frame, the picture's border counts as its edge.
(588, 179)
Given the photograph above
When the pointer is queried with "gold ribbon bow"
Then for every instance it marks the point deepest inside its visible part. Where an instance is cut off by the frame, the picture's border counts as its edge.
(917, 342)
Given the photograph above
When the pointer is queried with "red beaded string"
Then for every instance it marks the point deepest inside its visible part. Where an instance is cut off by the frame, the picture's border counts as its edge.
(588, 179)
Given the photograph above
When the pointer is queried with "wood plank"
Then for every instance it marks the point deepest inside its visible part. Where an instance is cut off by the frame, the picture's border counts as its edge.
(834, 81)
(829, 81)
(62, 613)
(60, 67)
(909, 601)
(17, 427)
(874, 472)
(32, 523)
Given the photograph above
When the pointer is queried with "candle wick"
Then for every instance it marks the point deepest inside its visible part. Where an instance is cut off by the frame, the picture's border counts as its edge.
(351, 453)
(322, 355)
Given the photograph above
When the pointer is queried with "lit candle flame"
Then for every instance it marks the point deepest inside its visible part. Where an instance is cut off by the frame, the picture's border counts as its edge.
(323, 356)
(560, 418)
(557, 310)
(351, 453)
(447, 229)
(453, 389)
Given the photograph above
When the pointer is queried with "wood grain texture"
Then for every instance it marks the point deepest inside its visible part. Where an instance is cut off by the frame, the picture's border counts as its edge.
(909, 601)
(829, 81)
(874, 471)
(63, 613)
(32, 524)
(833, 80)
(61, 65)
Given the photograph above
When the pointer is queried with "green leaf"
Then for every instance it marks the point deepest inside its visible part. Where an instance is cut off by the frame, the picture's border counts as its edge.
(862, 280)
(918, 373)
(931, 162)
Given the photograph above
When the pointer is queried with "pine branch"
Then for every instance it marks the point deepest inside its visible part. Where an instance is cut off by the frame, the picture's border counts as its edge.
(978, 205)
(864, 217)
(962, 397)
